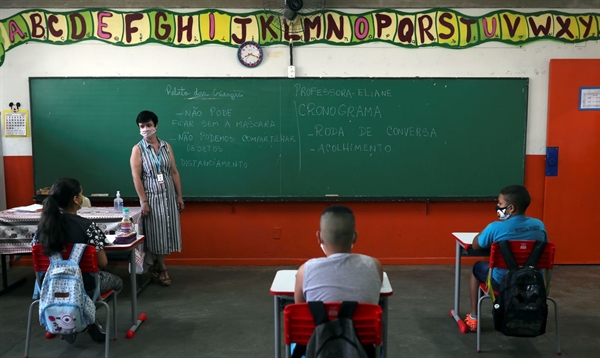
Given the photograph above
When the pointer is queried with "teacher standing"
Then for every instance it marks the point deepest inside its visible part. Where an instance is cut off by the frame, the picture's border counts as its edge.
(158, 186)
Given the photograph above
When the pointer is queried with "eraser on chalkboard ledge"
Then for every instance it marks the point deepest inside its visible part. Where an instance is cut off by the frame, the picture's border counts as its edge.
(331, 195)
(99, 194)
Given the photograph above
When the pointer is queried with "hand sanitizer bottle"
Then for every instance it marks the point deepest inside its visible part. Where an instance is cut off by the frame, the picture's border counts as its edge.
(118, 203)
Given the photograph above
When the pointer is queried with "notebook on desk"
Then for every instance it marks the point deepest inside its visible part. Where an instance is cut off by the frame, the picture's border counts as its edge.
(121, 239)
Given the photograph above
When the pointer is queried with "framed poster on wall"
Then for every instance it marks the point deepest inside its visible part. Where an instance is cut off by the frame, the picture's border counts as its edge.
(589, 99)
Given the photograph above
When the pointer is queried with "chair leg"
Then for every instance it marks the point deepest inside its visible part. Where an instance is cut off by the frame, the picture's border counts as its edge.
(28, 335)
(114, 317)
(107, 325)
(107, 333)
(479, 320)
(558, 351)
(479, 292)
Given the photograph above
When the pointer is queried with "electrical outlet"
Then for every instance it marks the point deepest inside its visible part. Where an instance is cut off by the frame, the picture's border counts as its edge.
(277, 233)
(291, 71)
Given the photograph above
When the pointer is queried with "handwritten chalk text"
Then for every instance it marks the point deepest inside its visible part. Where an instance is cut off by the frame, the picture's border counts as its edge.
(316, 110)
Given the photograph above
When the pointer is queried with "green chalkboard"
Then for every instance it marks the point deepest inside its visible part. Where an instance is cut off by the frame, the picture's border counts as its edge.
(289, 139)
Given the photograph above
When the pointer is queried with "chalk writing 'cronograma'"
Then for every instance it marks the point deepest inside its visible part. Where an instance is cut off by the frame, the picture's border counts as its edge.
(343, 110)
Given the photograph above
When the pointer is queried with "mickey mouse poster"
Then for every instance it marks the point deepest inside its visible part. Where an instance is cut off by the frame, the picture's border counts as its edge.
(14, 106)
(16, 121)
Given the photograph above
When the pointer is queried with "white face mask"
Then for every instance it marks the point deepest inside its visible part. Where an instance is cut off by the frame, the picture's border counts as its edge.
(502, 215)
(79, 203)
(147, 132)
(323, 248)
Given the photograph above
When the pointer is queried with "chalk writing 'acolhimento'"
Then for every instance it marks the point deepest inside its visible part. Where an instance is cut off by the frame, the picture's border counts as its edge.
(353, 147)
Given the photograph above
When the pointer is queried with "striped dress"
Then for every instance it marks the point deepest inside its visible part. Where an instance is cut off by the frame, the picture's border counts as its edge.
(161, 227)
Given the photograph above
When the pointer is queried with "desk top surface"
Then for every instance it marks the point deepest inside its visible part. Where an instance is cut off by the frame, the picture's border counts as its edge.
(92, 213)
(285, 281)
(125, 247)
(17, 228)
(465, 239)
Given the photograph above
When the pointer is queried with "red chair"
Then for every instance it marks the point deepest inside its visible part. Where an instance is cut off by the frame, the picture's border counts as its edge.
(298, 323)
(521, 249)
(88, 264)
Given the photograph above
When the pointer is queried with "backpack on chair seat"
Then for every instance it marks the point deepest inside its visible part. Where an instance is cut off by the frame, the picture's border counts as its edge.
(520, 309)
(334, 338)
(65, 308)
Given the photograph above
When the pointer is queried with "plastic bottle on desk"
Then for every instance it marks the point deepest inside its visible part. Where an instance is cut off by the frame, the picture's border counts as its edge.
(126, 224)
(118, 202)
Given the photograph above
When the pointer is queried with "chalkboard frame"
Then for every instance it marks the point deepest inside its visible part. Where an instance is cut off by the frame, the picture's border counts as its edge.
(366, 198)
(220, 199)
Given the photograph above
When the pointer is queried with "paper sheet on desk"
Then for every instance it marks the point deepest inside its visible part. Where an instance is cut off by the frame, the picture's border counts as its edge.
(33, 208)
(111, 239)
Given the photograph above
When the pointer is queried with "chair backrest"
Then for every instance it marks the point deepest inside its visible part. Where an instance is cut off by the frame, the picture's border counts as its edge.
(298, 322)
(88, 263)
(521, 249)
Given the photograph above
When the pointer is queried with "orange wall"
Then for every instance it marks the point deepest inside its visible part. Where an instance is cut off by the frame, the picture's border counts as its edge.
(243, 233)
(18, 174)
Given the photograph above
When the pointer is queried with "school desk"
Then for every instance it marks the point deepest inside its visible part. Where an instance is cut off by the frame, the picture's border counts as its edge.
(282, 290)
(129, 251)
(17, 230)
(464, 243)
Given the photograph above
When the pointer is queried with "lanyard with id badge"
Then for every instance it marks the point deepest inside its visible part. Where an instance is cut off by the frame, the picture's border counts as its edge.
(159, 177)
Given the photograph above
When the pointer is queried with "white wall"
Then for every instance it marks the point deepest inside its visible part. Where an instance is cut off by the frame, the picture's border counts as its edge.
(92, 58)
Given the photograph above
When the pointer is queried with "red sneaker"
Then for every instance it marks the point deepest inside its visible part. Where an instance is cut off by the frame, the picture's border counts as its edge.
(471, 323)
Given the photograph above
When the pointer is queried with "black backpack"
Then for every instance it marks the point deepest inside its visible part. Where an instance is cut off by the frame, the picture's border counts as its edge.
(334, 338)
(520, 309)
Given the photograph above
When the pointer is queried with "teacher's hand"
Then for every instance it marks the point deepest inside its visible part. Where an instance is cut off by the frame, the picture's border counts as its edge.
(180, 204)
(145, 208)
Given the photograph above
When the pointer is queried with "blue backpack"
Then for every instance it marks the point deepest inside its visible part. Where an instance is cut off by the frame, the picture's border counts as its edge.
(65, 308)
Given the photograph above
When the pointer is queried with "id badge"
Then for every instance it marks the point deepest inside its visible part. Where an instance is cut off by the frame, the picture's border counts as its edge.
(160, 178)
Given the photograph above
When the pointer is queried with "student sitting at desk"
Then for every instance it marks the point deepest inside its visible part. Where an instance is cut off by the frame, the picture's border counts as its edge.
(341, 275)
(60, 225)
(513, 225)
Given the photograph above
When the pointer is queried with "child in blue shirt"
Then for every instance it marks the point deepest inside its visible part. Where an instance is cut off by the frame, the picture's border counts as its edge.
(512, 225)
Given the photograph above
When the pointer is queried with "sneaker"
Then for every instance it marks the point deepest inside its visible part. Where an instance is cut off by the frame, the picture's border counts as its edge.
(96, 332)
(70, 338)
(471, 323)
